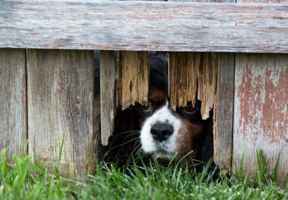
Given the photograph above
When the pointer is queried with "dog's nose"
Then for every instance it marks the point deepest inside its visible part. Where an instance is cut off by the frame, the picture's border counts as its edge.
(161, 132)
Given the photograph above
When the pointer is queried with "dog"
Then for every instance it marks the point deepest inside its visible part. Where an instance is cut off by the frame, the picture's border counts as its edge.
(156, 129)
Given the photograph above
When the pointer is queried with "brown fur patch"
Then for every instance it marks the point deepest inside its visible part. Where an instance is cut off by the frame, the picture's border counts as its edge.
(156, 94)
(186, 136)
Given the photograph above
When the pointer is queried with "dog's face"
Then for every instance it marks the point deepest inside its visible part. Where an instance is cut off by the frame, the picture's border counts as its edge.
(163, 131)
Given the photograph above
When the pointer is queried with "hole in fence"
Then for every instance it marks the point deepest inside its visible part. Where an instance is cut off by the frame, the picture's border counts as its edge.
(154, 128)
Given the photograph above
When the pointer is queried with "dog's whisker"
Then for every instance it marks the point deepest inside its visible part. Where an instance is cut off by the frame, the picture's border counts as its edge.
(123, 143)
(126, 132)
(135, 148)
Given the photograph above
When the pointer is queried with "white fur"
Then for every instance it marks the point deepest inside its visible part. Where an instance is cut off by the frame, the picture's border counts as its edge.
(165, 149)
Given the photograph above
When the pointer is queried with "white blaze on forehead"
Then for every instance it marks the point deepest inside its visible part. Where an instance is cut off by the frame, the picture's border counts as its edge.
(149, 145)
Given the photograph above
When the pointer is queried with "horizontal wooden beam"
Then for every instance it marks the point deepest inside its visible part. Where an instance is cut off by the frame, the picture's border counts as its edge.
(149, 26)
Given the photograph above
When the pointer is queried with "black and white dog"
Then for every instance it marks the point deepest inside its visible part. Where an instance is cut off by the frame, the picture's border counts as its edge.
(156, 129)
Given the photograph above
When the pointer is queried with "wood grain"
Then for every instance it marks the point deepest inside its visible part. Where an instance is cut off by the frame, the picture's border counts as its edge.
(107, 94)
(263, 1)
(260, 111)
(207, 82)
(13, 120)
(133, 78)
(206, 1)
(186, 70)
(60, 95)
(224, 113)
(183, 76)
(141, 26)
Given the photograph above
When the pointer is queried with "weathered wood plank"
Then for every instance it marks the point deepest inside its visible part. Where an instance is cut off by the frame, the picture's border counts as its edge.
(133, 78)
(13, 119)
(107, 94)
(207, 82)
(191, 26)
(260, 112)
(186, 70)
(206, 1)
(223, 115)
(183, 76)
(60, 99)
(262, 1)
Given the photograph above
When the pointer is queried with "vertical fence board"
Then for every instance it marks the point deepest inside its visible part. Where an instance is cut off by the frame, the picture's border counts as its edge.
(13, 120)
(223, 115)
(107, 94)
(183, 75)
(207, 82)
(60, 95)
(260, 112)
(133, 78)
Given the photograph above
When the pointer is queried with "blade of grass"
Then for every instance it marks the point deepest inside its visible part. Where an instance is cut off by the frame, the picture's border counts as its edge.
(25, 163)
(260, 180)
(4, 163)
(60, 152)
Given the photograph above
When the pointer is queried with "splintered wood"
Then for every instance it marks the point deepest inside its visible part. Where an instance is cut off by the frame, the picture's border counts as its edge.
(207, 82)
(183, 74)
(184, 71)
(133, 78)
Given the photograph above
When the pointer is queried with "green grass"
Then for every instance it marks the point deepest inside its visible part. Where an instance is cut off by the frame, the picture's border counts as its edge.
(25, 180)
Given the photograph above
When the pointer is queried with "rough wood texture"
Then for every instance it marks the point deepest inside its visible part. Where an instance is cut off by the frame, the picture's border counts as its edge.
(183, 75)
(207, 82)
(223, 112)
(13, 120)
(206, 1)
(60, 95)
(107, 94)
(133, 78)
(185, 69)
(260, 112)
(262, 1)
(114, 25)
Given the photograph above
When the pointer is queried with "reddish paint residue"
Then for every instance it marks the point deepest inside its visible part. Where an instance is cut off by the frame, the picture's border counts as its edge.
(263, 102)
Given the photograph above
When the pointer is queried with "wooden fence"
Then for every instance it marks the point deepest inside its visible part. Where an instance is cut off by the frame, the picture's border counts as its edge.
(47, 73)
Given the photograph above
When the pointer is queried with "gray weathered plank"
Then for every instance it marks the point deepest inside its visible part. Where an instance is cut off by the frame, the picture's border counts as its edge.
(144, 26)
(13, 119)
(224, 112)
(60, 99)
(262, 1)
(260, 110)
(107, 94)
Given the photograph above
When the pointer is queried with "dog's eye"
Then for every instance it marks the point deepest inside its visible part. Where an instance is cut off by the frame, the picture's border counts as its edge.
(189, 109)
(147, 108)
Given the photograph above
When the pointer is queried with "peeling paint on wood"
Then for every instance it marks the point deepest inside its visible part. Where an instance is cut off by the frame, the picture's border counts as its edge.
(60, 95)
(262, 1)
(223, 112)
(260, 112)
(183, 75)
(133, 78)
(207, 82)
(206, 1)
(201, 27)
(13, 120)
(107, 94)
